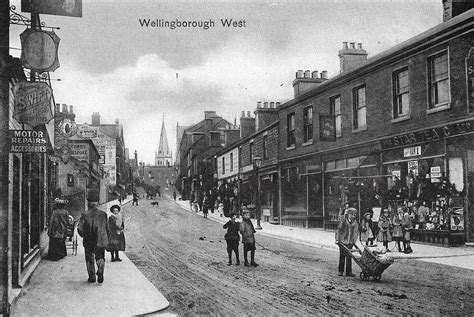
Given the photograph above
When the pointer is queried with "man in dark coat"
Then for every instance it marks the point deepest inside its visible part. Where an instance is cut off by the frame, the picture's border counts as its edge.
(94, 231)
(232, 238)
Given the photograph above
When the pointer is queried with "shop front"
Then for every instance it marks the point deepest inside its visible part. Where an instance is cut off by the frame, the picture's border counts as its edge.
(431, 179)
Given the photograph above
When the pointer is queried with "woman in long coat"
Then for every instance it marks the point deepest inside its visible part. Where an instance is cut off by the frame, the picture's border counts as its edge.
(116, 236)
(57, 231)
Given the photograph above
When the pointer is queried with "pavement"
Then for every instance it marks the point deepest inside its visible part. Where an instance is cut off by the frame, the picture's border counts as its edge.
(61, 288)
(461, 256)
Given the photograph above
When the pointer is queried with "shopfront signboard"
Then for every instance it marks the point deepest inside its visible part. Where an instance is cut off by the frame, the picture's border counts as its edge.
(28, 141)
(412, 151)
(39, 50)
(80, 151)
(32, 103)
(470, 80)
(429, 135)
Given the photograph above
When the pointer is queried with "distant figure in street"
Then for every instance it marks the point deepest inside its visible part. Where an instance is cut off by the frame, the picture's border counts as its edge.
(205, 205)
(248, 238)
(94, 231)
(116, 236)
(57, 230)
(135, 198)
(347, 233)
(366, 229)
(384, 224)
(407, 224)
(174, 195)
(232, 239)
(120, 198)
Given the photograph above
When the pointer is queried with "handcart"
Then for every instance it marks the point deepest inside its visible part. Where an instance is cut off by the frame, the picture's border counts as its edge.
(71, 235)
(368, 262)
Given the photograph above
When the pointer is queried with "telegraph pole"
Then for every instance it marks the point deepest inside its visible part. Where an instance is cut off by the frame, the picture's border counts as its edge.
(4, 150)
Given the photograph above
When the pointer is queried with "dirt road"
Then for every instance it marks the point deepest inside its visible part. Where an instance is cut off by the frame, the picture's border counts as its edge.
(184, 256)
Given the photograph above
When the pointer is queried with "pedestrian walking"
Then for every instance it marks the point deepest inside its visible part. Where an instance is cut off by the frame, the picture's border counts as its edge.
(397, 234)
(366, 229)
(384, 224)
(120, 198)
(205, 205)
(174, 195)
(232, 239)
(57, 230)
(248, 238)
(347, 233)
(135, 198)
(116, 236)
(93, 229)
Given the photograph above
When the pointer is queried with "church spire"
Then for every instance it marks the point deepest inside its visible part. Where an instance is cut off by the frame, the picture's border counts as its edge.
(163, 157)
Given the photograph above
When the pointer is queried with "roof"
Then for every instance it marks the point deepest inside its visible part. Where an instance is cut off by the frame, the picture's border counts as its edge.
(405, 48)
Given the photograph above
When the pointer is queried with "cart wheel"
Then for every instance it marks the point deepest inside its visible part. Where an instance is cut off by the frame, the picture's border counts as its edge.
(362, 276)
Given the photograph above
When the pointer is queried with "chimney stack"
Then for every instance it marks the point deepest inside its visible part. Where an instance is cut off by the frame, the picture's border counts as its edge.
(351, 58)
(306, 83)
(247, 124)
(452, 8)
(265, 116)
(95, 119)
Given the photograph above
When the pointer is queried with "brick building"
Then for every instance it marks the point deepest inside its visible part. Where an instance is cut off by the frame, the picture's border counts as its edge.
(400, 130)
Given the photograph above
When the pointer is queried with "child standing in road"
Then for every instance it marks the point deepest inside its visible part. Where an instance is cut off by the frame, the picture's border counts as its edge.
(397, 234)
(366, 230)
(248, 239)
(232, 239)
(205, 205)
(384, 235)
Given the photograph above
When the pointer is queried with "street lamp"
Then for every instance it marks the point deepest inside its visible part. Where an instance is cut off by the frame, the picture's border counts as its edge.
(257, 161)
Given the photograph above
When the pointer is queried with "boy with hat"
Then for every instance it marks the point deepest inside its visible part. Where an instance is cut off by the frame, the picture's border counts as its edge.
(94, 231)
(248, 239)
(346, 234)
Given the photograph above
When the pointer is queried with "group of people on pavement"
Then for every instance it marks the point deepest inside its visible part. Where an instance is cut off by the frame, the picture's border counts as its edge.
(100, 233)
(391, 226)
(236, 229)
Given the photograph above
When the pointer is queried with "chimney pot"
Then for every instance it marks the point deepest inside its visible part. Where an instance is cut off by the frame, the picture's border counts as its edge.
(359, 46)
(272, 104)
(71, 109)
(314, 74)
(117, 121)
(259, 104)
(344, 46)
(265, 104)
(353, 45)
(243, 114)
(64, 108)
(299, 74)
(306, 74)
(324, 74)
(57, 108)
(277, 104)
(248, 114)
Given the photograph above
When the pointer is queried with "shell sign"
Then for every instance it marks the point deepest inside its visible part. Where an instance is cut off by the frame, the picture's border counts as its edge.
(32, 104)
(39, 50)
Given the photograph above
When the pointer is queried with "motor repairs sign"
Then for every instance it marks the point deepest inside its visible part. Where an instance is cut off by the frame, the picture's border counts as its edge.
(28, 141)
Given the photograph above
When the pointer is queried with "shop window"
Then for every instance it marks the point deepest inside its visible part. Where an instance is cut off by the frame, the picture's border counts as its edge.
(290, 130)
(335, 110)
(330, 165)
(438, 78)
(401, 96)
(70, 180)
(340, 164)
(359, 108)
(308, 124)
(353, 162)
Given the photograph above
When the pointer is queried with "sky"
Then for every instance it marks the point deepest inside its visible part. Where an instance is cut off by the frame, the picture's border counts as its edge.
(110, 63)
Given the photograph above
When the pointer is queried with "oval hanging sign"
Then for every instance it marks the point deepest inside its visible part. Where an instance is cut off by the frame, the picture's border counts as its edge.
(39, 50)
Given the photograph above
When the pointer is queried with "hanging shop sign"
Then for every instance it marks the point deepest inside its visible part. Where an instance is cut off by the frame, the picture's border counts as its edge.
(327, 128)
(32, 103)
(470, 80)
(72, 8)
(429, 135)
(412, 151)
(39, 50)
(66, 127)
(28, 141)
